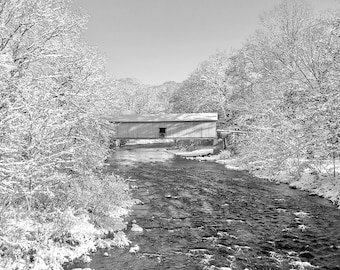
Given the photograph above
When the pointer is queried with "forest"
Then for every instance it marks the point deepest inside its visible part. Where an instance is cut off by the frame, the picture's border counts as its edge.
(280, 90)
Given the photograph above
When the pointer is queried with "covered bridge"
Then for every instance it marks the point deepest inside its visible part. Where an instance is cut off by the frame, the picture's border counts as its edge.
(175, 126)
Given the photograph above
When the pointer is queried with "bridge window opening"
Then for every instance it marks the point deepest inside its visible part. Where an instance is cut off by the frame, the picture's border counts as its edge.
(162, 132)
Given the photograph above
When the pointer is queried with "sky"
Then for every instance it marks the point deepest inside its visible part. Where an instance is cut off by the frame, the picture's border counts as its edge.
(156, 41)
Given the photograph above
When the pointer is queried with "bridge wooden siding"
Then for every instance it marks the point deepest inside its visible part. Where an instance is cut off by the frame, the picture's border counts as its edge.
(174, 126)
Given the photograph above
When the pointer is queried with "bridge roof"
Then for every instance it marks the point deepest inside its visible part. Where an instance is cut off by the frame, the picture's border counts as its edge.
(182, 117)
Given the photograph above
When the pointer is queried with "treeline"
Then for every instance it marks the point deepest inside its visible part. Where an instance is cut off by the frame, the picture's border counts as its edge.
(281, 89)
(53, 142)
(132, 97)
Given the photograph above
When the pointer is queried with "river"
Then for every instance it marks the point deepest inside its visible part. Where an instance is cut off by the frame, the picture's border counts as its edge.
(199, 215)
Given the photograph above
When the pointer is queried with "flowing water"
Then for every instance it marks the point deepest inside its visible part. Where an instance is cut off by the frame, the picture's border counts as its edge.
(200, 215)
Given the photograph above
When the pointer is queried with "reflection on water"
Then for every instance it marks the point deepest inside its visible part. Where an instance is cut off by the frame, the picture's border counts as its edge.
(133, 157)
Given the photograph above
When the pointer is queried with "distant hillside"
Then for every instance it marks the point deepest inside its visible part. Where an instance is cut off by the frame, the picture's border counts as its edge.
(132, 96)
(162, 95)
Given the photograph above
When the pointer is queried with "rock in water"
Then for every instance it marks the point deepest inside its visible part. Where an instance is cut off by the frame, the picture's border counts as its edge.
(136, 228)
(134, 249)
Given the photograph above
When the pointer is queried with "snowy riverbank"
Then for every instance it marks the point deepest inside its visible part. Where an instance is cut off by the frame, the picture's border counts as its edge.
(317, 182)
(322, 185)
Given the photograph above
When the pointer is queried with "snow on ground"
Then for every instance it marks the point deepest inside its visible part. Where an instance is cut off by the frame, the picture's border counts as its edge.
(196, 153)
(231, 164)
(317, 178)
(322, 185)
(319, 181)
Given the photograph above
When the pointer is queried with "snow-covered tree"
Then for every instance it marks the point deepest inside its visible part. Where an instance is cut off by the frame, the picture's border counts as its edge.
(53, 141)
(290, 99)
